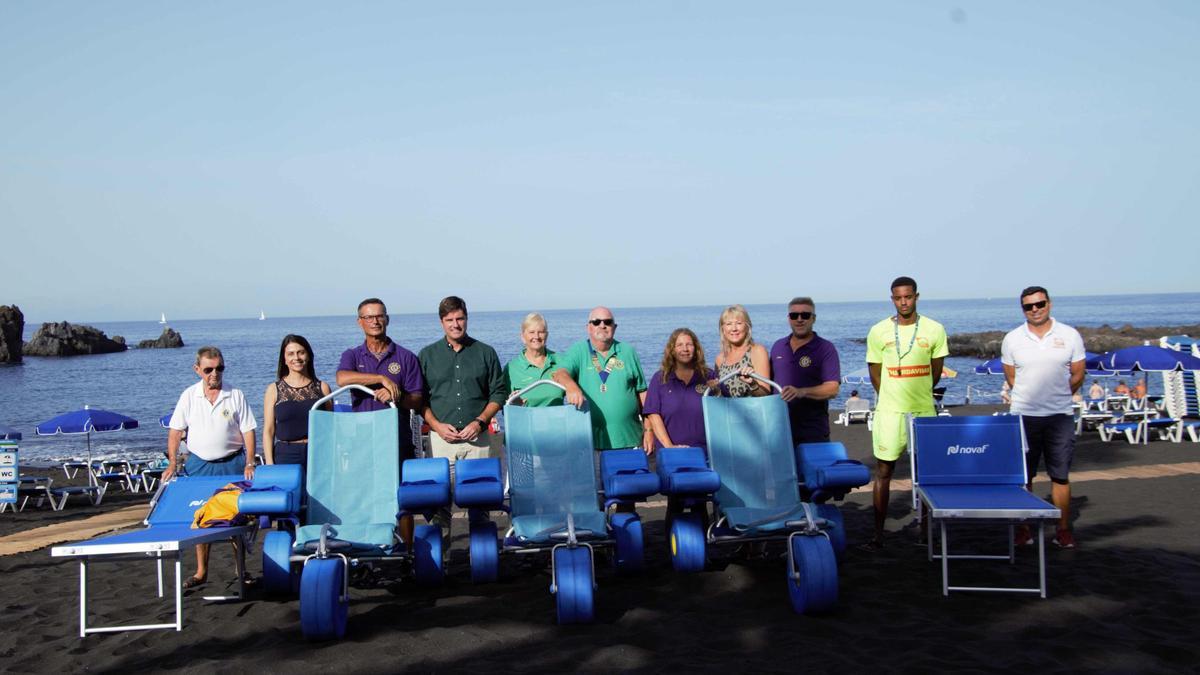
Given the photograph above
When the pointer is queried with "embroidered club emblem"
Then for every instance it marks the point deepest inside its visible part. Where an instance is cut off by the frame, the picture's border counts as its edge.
(226, 414)
(922, 343)
(700, 389)
(805, 361)
(394, 368)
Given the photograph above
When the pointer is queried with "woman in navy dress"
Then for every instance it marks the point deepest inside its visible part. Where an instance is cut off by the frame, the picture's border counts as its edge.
(287, 402)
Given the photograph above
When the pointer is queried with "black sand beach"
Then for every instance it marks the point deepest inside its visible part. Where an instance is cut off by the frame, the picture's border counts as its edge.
(1125, 601)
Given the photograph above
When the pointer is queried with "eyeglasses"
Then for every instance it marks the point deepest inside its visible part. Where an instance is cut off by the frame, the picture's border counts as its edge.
(805, 316)
(208, 370)
(373, 318)
(1030, 306)
(606, 322)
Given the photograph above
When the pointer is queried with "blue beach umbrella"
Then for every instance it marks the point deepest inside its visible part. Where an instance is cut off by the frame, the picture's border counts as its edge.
(165, 420)
(9, 434)
(1091, 363)
(1148, 358)
(85, 421)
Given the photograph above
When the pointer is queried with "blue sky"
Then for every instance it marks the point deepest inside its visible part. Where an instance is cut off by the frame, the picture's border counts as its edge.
(211, 159)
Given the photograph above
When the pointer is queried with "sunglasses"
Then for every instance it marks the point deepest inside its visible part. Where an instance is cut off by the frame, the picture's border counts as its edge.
(1030, 306)
(800, 315)
(606, 322)
(208, 370)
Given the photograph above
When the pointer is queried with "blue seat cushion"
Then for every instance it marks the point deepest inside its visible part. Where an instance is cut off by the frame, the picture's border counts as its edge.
(362, 537)
(478, 483)
(538, 528)
(626, 474)
(684, 471)
(424, 484)
(846, 473)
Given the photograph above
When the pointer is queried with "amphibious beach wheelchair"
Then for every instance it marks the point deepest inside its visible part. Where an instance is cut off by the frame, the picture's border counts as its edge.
(554, 501)
(355, 494)
(750, 478)
(169, 532)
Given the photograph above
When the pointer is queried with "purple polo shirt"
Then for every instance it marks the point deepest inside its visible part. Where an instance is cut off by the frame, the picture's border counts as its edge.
(398, 365)
(679, 405)
(813, 364)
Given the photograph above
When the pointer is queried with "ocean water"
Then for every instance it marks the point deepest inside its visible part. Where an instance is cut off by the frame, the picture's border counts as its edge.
(145, 384)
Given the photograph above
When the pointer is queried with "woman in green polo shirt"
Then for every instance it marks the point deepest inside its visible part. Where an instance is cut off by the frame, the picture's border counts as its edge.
(533, 364)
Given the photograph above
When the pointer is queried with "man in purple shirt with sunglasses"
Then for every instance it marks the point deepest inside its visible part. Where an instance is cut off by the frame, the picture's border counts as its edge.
(806, 366)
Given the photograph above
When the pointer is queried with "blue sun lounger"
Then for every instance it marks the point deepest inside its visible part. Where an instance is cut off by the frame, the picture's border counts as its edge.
(757, 499)
(555, 502)
(972, 469)
(168, 533)
(355, 493)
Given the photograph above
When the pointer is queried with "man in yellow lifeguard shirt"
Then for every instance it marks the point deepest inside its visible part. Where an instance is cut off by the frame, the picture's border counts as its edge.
(904, 355)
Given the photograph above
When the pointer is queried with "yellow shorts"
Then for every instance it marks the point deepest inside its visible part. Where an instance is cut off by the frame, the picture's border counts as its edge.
(890, 433)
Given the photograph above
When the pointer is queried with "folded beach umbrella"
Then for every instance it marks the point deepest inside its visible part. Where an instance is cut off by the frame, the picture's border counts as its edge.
(9, 434)
(85, 421)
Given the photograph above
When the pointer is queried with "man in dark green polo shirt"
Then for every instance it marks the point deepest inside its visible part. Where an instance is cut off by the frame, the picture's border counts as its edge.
(466, 388)
(610, 375)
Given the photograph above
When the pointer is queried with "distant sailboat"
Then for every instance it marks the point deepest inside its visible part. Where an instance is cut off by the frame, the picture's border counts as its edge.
(262, 316)
(162, 318)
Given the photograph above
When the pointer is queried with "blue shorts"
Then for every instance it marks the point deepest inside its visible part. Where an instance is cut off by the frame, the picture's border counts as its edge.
(233, 465)
(1051, 437)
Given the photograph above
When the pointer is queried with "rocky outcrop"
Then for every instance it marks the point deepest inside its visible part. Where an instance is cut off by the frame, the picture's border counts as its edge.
(1105, 338)
(168, 340)
(12, 326)
(65, 339)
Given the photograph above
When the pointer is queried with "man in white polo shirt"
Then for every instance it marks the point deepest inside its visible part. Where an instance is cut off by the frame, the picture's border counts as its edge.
(1044, 364)
(220, 434)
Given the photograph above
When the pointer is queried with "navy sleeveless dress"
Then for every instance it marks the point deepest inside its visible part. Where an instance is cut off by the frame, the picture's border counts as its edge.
(291, 421)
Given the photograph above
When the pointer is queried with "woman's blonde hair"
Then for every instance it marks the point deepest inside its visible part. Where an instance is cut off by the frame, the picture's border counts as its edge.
(739, 312)
(669, 362)
(532, 318)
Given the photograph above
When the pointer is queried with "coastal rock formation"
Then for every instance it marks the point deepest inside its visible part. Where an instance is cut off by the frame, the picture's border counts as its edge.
(986, 345)
(168, 340)
(12, 325)
(65, 339)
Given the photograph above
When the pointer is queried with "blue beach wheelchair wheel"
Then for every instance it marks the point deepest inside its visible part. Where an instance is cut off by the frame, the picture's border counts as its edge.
(627, 530)
(323, 610)
(485, 553)
(816, 589)
(427, 554)
(277, 569)
(687, 542)
(573, 579)
(837, 529)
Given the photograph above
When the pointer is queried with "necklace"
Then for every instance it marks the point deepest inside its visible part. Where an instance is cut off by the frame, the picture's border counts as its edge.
(911, 341)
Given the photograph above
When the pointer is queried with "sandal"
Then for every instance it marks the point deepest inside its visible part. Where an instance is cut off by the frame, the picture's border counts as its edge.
(873, 546)
(193, 582)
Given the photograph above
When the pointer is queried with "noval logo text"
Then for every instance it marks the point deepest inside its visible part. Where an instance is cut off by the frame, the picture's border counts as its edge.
(967, 449)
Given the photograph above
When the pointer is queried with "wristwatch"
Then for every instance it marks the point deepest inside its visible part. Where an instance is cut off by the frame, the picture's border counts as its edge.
(482, 425)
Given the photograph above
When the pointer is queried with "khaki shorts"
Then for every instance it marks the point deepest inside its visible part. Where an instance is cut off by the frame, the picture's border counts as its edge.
(890, 433)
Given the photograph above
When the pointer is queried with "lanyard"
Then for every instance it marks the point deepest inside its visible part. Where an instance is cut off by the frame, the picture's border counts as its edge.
(607, 369)
(913, 339)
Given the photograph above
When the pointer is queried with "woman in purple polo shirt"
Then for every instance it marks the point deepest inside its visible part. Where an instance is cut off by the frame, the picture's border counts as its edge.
(673, 398)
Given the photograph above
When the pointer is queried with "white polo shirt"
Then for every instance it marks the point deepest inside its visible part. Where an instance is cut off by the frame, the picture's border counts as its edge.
(1042, 385)
(214, 429)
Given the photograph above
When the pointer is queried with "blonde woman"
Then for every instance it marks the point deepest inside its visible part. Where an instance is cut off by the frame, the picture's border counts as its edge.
(740, 353)
(534, 363)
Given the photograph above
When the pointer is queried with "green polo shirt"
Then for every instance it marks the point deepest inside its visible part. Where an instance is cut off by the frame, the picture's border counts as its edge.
(615, 409)
(520, 373)
(461, 384)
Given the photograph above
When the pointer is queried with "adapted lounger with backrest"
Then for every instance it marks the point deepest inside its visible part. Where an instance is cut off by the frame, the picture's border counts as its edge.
(355, 494)
(169, 532)
(758, 499)
(972, 469)
(554, 500)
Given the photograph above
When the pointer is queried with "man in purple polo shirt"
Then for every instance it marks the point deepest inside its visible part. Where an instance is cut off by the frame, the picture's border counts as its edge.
(391, 370)
(806, 366)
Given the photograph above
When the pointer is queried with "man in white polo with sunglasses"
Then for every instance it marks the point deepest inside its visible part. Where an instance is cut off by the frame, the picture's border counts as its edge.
(1044, 365)
(220, 434)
